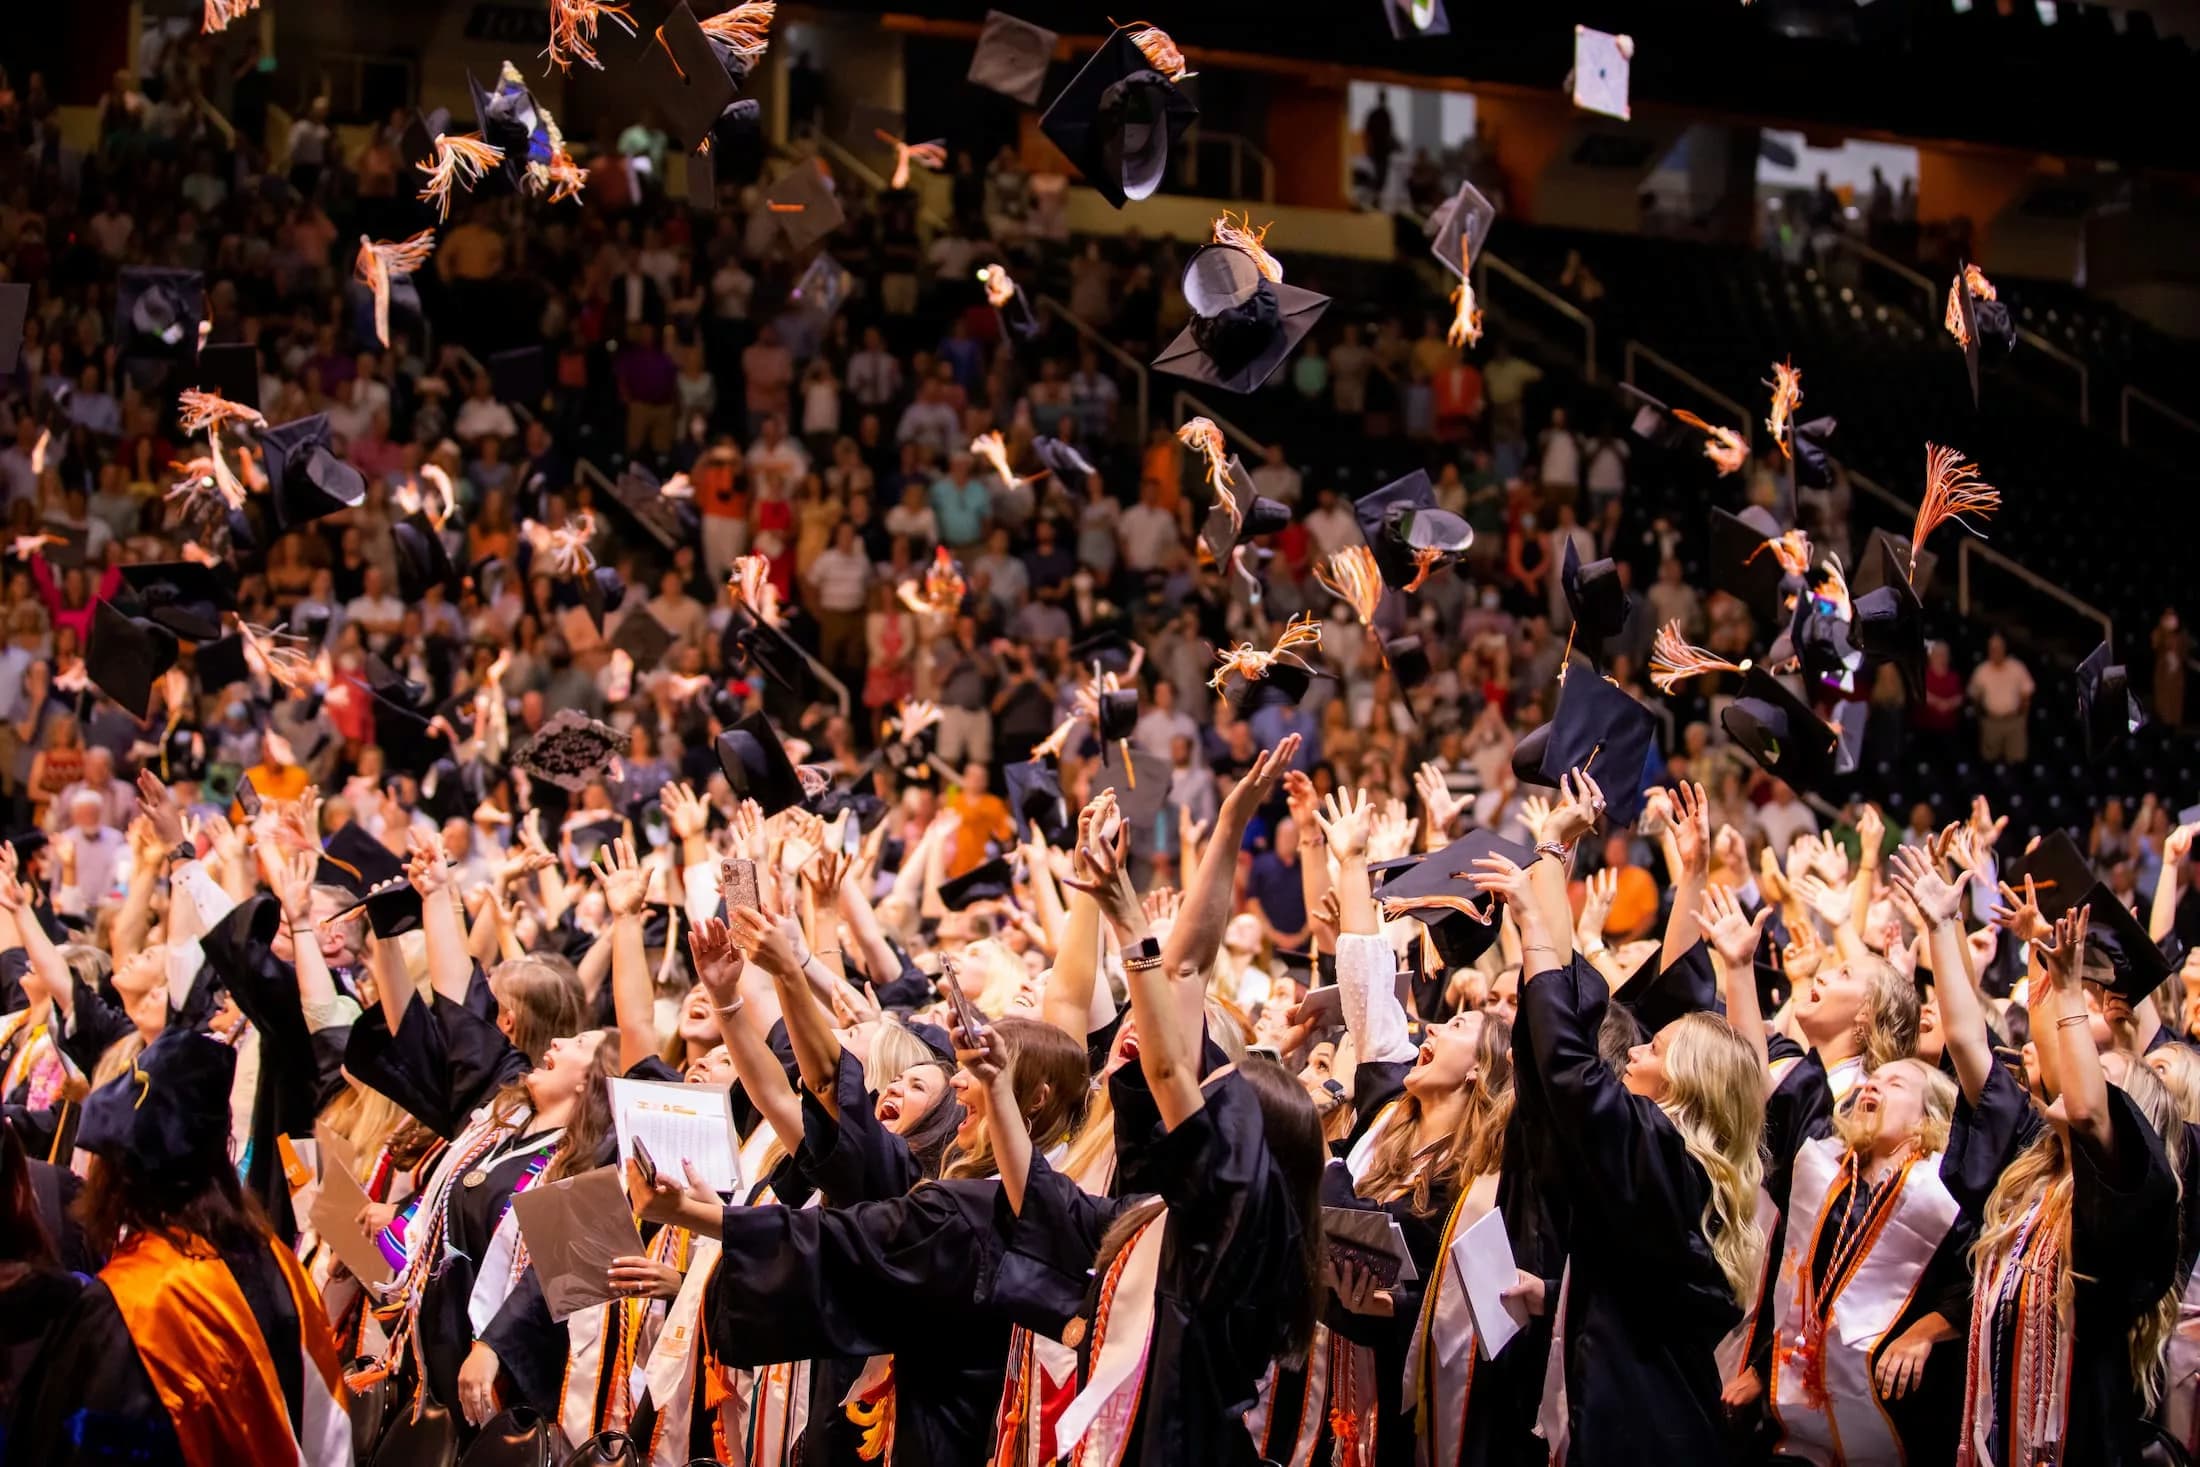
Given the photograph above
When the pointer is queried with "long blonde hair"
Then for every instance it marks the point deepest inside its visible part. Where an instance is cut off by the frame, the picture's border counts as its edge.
(1889, 1018)
(1715, 1097)
(1932, 1131)
(1398, 1165)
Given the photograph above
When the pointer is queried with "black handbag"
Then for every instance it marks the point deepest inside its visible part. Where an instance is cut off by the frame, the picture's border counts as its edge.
(519, 1436)
(368, 1385)
(607, 1449)
(421, 1434)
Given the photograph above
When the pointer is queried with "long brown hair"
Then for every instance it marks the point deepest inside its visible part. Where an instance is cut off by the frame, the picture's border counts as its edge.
(1050, 1074)
(212, 1213)
(581, 1148)
(1399, 1165)
(544, 999)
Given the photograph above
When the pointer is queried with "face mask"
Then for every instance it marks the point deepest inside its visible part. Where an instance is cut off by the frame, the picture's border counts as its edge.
(1489, 599)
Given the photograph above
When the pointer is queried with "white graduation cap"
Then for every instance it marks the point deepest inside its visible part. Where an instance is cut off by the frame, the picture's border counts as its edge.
(1600, 71)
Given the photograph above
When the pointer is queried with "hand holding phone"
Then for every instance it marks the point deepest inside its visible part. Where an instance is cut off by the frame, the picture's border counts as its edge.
(737, 883)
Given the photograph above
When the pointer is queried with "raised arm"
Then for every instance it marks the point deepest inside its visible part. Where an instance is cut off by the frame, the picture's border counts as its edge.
(1168, 1040)
(809, 1025)
(718, 966)
(1006, 1134)
(879, 958)
(2083, 1097)
(1689, 832)
(1196, 936)
(1734, 939)
(1298, 790)
(1962, 1011)
(1367, 990)
(2162, 916)
(450, 965)
(1071, 988)
(625, 884)
(289, 875)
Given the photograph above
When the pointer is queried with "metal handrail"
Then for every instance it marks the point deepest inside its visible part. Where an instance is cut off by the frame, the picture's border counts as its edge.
(1486, 262)
(586, 469)
(1635, 350)
(1239, 147)
(1888, 262)
(878, 181)
(1185, 406)
(1138, 369)
(523, 411)
(2131, 395)
(2048, 349)
(1970, 547)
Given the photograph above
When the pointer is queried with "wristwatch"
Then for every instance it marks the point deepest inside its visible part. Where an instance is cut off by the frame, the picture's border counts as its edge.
(1146, 950)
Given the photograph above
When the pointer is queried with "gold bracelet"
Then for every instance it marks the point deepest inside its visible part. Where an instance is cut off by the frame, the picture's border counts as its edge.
(2068, 1019)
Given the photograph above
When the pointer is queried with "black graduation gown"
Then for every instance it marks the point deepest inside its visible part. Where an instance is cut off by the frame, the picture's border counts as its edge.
(531, 1347)
(1389, 1336)
(2123, 1251)
(1646, 1303)
(441, 1065)
(1508, 1390)
(910, 1276)
(1229, 1266)
(75, 1393)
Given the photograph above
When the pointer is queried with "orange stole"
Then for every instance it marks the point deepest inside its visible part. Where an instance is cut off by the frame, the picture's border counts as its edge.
(203, 1350)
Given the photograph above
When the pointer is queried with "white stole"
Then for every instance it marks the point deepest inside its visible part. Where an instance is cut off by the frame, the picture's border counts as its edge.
(1444, 1347)
(1095, 1427)
(1732, 1352)
(2181, 1396)
(1837, 1421)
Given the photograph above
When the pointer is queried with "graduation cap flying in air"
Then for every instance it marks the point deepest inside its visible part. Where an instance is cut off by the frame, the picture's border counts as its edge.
(1012, 57)
(756, 765)
(2108, 711)
(185, 596)
(1411, 537)
(1243, 323)
(1123, 114)
(1980, 322)
(305, 479)
(1598, 728)
(2061, 878)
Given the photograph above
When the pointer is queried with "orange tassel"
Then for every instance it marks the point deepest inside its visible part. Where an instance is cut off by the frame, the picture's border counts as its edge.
(200, 412)
(1252, 664)
(1238, 230)
(990, 448)
(1204, 438)
(1952, 490)
(573, 30)
(1160, 52)
(1723, 446)
(219, 14)
(461, 159)
(378, 262)
(743, 29)
(932, 155)
(1352, 576)
(1673, 661)
(1787, 396)
(750, 580)
(1425, 561)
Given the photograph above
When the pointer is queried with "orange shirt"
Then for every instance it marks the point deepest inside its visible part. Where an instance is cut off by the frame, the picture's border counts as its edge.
(1634, 906)
(984, 818)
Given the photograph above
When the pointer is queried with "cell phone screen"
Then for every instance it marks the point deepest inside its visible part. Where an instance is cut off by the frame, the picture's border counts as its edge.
(737, 883)
(248, 798)
(645, 1161)
(967, 1017)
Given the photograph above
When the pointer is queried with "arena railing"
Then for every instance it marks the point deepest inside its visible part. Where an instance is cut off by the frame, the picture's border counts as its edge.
(1635, 353)
(1138, 370)
(2160, 409)
(1488, 263)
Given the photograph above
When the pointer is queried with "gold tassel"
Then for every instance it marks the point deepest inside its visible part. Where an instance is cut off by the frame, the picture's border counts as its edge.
(750, 580)
(200, 412)
(1952, 490)
(1723, 446)
(1204, 438)
(1238, 230)
(932, 155)
(1787, 396)
(1466, 318)
(743, 29)
(573, 30)
(1352, 576)
(1673, 661)
(461, 159)
(1425, 561)
(1160, 52)
(1953, 320)
(990, 448)
(378, 262)
(220, 14)
(1252, 664)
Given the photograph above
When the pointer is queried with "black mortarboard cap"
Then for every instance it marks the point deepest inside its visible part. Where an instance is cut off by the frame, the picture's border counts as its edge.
(1012, 57)
(417, 145)
(1811, 464)
(1063, 461)
(1885, 552)
(1401, 518)
(1284, 683)
(1887, 624)
(15, 306)
(184, 596)
(1407, 660)
(2136, 962)
(2059, 871)
(1449, 872)
(1243, 324)
(763, 648)
(1599, 727)
(1742, 563)
(1140, 803)
(1967, 309)
(757, 766)
(988, 882)
(571, 750)
(804, 206)
(1118, 120)
(71, 550)
(1459, 227)
(165, 1119)
(1105, 642)
(1118, 713)
(125, 655)
(642, 638)
(375, 874)
(682, 74)
(1035, 801)
(1411, 19)
(1780, 732)
(507, 117)
(1256, 516)
(229, 369)
(220, 663)
(157, 314)
(422, 558)
(1595, 597)
(518, 377)
(2108, 710)
(304, 479)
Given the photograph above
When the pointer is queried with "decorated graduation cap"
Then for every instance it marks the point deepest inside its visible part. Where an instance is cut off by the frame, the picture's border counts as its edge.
(2108, 710)
(157, 314)
(1780, 732)
(1123, 114)
(1035, 801)
(1460, 227)
(757, 766)
(1441, 893)
(305, 479)
(1243, 324)
(1888, 622)
(804, 207)
(373, 873)
(423, 560)
(1012, 57)
(991, 881)
(1600, 729)
(125, 655)
(1411, 537)
(1979, 321)
(165, 1119)
(1141, 788)
(571, 750)
(1746, 563)
(184, 596)
(1594, 595)
(507, 118)
(1412, 19)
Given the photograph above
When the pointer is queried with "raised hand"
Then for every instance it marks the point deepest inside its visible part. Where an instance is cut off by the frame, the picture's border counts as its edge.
(1691, 816)
(289, 874)
(718, 961)
(1832, 903)
(1437, 800)
(1597, 896)
(1912, 873)
(1734, 935)
(684, 810)
(1986, 827)
(764, 943)
(1345, 819)
(427, 866)
(2179, 844)
(625, 880)
(159, 806)
(1510, 883)
(1871, 837)
(1804, 954)
(1580, 808)
(2020, 915)
(1390, 835)
(2062, 948)
(1535, 813)
(1108, 864)
(1252, 791)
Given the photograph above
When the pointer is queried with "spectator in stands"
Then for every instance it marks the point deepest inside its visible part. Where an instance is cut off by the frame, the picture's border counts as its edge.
(2172, 647)
(1559, 458)
(961, 503)
(649, 386)
(1275, 477)
(1506, 379)
(2001, 690)
(1934, 719)
(1782, 818)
